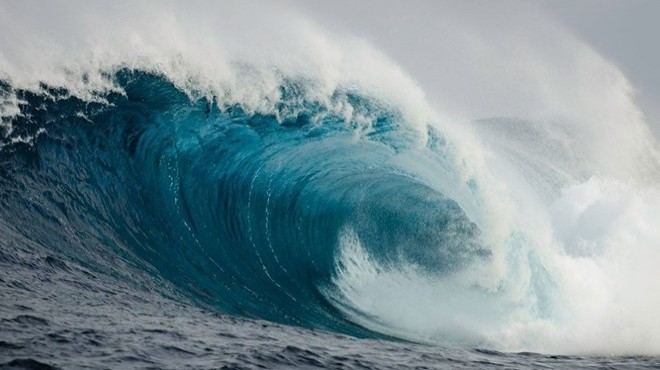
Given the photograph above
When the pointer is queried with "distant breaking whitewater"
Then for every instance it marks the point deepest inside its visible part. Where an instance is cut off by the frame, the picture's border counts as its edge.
(167, 200)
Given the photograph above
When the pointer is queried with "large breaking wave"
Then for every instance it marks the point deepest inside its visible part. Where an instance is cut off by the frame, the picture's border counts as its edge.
(323, 191)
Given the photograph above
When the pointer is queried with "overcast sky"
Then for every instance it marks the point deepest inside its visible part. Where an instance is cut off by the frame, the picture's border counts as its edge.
(478, 58)
(625, 32)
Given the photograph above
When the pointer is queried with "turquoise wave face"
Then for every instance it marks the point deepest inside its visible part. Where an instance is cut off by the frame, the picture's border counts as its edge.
(243, 212)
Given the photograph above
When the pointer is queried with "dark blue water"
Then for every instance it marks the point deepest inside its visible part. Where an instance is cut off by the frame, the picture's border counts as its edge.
(150, 229)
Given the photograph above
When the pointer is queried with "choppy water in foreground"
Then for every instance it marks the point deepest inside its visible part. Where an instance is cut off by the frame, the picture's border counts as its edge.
(55, 314)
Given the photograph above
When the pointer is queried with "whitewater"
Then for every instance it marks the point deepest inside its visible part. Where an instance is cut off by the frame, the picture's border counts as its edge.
(250, 185)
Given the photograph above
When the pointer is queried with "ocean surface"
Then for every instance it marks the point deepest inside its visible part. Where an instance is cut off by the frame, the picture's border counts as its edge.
(176, 192)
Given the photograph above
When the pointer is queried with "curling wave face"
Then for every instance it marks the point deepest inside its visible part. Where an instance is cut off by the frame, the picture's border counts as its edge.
(241, 211)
